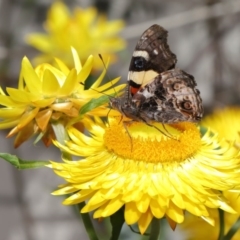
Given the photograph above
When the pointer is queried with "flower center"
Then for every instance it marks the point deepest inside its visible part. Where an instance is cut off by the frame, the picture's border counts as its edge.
(152, 143)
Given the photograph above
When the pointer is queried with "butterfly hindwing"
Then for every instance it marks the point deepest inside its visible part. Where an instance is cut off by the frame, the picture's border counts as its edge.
(156, 90)
(171, 97)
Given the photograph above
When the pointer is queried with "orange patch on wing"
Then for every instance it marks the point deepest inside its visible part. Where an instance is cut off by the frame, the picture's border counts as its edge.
(134, 90)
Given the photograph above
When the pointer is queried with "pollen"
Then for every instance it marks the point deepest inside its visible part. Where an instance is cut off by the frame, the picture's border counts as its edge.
(155, 142)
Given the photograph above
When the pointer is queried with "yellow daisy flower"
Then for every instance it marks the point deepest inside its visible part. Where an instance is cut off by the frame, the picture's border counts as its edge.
(151, 174)
(193, 226)
(81, 28)
(48, 94)
(226, 122)
(227, 125)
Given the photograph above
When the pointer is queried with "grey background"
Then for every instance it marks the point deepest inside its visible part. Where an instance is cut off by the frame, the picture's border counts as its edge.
(205, 35)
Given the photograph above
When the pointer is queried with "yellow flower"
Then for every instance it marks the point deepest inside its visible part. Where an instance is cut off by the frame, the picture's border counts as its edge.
(198, 228)
(226, 122)
(48, 94)
(134, 165)
(87, 32)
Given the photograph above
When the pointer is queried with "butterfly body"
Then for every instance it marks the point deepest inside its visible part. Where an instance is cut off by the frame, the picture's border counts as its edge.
(156, 90)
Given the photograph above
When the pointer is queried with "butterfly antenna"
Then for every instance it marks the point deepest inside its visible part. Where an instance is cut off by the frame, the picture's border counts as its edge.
(105, 67)
(100, 56)
(115, 93)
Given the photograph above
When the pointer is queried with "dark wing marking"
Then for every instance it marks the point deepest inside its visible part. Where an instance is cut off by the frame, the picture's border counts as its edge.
(171, 97)
(156, 54)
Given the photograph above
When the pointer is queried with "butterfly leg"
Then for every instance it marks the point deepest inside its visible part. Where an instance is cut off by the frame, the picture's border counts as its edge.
(168, 131)
(125, 126)
(164, 133)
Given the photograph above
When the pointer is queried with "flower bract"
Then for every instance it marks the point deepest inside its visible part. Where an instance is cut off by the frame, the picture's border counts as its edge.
(83, 29)
(224, 122)
(47, 94)
(151, 171)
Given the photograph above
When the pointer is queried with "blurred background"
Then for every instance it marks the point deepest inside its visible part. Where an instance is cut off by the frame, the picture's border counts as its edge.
(205, 36)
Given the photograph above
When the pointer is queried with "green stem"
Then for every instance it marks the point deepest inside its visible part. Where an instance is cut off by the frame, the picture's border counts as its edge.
(117, 221)
(235, 227)
(155, 229)
(87, 223)
(221, 224)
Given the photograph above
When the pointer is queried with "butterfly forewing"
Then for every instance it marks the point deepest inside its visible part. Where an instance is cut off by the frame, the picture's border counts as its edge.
(150, 57)
(156, 90)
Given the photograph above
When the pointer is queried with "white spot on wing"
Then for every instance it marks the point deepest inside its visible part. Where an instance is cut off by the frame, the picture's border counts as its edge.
(155, 51)
(147, 94)
(143, 54)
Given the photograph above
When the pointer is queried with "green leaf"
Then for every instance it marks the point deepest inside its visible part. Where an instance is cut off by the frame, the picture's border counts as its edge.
(93, 103)
(22, 164)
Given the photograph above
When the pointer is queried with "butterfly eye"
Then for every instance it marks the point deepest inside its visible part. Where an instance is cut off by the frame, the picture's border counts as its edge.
(139, 63)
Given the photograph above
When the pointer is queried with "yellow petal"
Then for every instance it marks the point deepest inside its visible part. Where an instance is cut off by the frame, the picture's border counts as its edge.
(156, 209)
(175, 213)
(87, 68)
(40, 70)
(42, 118)
(40, 41)
(144, 221)
(100, 78)
(42, 103)
(50, 85)
(77, 62)
(31, 79)
(108, 85)
(8, 102)
(25, 134)
(131, 213)
(24, 120)
(21, 95)
(113, 206)
(171, 223)
(77, 197)
(62, 66)
(11, 112)
(69, 84)
(8, 123)
(143, 203)
(58, 15)
(85, 17)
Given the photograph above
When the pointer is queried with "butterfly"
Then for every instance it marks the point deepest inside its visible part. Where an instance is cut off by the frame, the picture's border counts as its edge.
(156, 90)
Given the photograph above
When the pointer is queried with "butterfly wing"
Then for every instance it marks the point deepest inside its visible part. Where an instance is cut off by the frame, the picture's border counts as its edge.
(157, 91)
(171, 97)
(151, 57)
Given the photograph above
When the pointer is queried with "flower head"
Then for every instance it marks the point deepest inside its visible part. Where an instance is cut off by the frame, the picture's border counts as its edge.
(83, 29)
(134, 165)
(193, 226)
(226, 122)
(47, 94)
